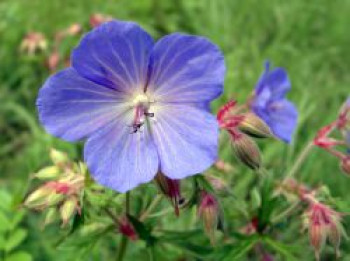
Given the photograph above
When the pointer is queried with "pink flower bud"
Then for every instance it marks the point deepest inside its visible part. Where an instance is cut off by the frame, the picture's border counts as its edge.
(170, 188)
(127, 229)
(97, 19)
(246, 150)
(209, 212)
(33, 42)
(323, 222)
(223, 166)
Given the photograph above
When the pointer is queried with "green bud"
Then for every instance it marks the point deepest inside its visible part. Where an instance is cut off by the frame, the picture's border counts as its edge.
(37, 198)
(58, 157)
(67, 210)
(50, 216)
(247, 151)
(47, 173)
(254, 126)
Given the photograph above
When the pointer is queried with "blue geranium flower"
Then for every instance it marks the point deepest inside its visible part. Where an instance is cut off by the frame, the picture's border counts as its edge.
(142, 106)
(270, 104)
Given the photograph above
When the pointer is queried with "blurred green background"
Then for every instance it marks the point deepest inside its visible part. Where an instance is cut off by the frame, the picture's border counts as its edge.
(309, 38)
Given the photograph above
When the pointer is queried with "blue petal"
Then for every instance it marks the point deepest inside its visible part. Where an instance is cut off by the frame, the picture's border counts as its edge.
(185, 68)
(72, 107)
(282, 120)
(278, 83)
(186, 138)
(272, 85)
(115, 54)
(119, 159)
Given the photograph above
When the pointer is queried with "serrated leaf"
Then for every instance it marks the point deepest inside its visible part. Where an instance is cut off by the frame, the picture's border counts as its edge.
(19, 256)
(15, 239)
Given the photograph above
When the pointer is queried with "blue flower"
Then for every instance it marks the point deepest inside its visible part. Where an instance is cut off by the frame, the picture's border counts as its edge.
(141, 106)
(271, 105)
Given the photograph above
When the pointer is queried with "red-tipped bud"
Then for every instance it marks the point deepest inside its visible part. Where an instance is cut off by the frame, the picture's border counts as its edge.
(74, 29)
(43, 197)
(209, 212)
(126, 228)
(254, 126)
(322, 138)
(170, 188)
(246, 150)
(223, 166)
(97, 19)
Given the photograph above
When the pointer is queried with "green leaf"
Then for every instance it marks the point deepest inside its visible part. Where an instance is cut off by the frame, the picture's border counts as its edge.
(143, 232)
(18, 217)
(280, 248)
(2, 242)
(15, 239)
(19, 256)
(242, 248)
(5, 224)
(204, 184)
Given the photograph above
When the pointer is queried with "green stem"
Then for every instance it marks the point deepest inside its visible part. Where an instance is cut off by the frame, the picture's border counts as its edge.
(124, 240)
(286, 213)
(127, 202)
(300, 160)
(122, 248)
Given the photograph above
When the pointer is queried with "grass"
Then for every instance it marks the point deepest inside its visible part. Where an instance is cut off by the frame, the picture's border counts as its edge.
(309, 38)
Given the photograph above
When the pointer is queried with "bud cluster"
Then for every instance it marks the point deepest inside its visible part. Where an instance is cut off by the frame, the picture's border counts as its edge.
(61, 192)
(243, 125)
(323, 222)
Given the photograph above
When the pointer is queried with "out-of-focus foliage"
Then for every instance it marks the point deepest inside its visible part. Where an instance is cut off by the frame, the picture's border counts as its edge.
(309, 38)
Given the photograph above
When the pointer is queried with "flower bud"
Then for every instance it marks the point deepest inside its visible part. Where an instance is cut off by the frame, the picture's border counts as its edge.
(97, 19)
(345, 165)
(50, 216)
(254, 126)
(74, 29)
(126, 228)
(317, 234)
(58, 157)
(334, 235)
(247, 151)
(43, 197)
(323, 222)
(47, 173)
(53, 61)
(208, 211)
(67, 209)
(170, 188)
(32, 42)
(223, 166)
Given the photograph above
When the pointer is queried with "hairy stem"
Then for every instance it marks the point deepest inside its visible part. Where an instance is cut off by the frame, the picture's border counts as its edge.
(286, 213)
(300, 160)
